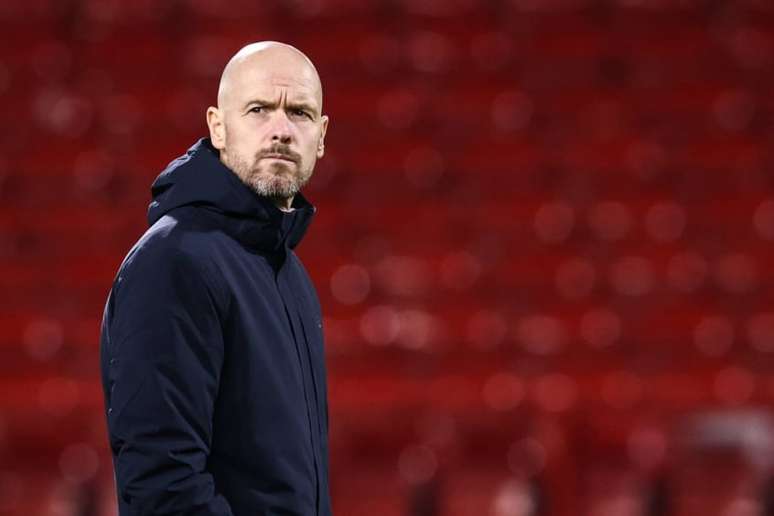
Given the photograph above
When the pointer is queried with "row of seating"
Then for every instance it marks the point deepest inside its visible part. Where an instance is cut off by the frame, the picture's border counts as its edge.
(462, 462)
(541, 246)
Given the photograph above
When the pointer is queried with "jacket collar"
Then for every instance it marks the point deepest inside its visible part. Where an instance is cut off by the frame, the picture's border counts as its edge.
(198, 178)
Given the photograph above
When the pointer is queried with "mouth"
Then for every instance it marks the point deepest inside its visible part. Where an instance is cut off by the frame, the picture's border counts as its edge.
(282, 157)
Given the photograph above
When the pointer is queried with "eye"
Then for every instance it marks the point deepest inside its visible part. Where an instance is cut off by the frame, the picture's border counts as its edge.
(301, 113)
(256, 109)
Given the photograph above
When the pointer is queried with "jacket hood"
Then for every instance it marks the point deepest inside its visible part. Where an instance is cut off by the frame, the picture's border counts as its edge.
(198, 178)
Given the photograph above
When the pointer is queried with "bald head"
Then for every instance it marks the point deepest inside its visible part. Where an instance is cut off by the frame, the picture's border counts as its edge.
(267, 57)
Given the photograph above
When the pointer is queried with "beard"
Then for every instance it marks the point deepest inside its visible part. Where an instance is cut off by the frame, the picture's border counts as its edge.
(274, 179)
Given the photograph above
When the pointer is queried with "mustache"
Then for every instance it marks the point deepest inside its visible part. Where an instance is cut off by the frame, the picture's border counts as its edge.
(282, 150)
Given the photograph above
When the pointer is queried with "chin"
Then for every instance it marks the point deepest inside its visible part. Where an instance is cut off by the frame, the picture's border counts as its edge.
(274, 186)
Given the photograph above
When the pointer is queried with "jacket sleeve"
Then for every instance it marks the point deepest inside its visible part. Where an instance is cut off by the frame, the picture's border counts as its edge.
(163, 359)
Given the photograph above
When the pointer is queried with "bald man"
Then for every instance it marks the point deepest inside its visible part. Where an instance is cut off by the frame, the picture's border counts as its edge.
(212, 345)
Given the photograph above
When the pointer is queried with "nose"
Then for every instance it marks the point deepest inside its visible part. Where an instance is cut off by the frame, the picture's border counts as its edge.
(281, 127)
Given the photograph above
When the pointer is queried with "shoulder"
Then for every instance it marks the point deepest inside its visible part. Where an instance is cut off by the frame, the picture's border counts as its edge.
(177, 248)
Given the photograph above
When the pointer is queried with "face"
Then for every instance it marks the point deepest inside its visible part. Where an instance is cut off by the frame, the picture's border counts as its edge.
(268, 125)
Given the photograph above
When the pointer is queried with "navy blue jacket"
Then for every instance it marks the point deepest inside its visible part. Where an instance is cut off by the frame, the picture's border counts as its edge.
(212, 355)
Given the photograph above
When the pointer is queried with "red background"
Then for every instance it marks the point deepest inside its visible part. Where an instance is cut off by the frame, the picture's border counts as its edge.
(543, 245)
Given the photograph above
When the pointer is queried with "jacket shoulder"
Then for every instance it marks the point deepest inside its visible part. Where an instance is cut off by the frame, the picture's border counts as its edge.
(175, 246)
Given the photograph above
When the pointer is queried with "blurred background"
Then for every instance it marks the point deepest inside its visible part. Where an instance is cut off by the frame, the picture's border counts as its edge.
(544, 243)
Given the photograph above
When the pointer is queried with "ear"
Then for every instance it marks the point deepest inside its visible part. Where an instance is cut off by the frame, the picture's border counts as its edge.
(217, 129)
(321, 142)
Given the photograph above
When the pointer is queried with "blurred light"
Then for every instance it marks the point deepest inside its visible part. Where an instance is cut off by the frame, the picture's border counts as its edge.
(600, 327)
(43, 338)
(713, 336)
(486, 330)
(418, 329)
(622, 389)
(491, 50)
(627, 503)
(575, 278)
(554, 222)
(763, 219)
(430, 51)
(380, 325)
(744, 506)
(398, 109)
(555, 392)
(79, 462)
(760, 332)
(632, 276)
(610, 220)
(736, 273)
(59, 396)
(62, 499)
(424, 167)
(734, 110)
(665, 221)
(686, 271)
(503, 392)
(513, 498)
(540, 334)
(350, 284)
(63, 113)
(402, 275)
(511, 111)
(459, 270)
(417, 464)
(734, 385)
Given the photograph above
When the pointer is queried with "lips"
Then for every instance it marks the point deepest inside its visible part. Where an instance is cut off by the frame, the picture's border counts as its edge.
(283, 157)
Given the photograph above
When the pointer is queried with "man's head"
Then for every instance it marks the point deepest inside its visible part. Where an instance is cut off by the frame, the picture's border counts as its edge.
(268, 125)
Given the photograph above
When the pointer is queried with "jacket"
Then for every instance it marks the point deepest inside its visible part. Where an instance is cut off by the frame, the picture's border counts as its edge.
(211, 355)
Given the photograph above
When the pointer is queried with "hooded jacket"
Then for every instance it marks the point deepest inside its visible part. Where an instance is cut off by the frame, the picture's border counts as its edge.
(212, 355)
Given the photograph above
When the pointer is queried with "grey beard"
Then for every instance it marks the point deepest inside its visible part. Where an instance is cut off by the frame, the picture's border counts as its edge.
(266, 184)
(274, 187)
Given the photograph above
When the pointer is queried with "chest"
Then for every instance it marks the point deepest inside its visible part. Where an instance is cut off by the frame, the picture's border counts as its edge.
(272, 325)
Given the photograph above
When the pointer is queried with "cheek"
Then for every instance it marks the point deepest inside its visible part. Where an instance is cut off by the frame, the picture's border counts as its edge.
(239, 129)
(241, 141)
(312, 144)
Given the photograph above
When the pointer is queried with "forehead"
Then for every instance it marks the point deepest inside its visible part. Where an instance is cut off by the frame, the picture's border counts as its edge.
(270, 77)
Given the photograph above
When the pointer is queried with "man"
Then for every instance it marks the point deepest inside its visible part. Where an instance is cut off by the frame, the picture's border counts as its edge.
(212, 347)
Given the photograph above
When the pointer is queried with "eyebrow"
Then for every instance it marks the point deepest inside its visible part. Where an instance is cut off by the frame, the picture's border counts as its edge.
(302, 105)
